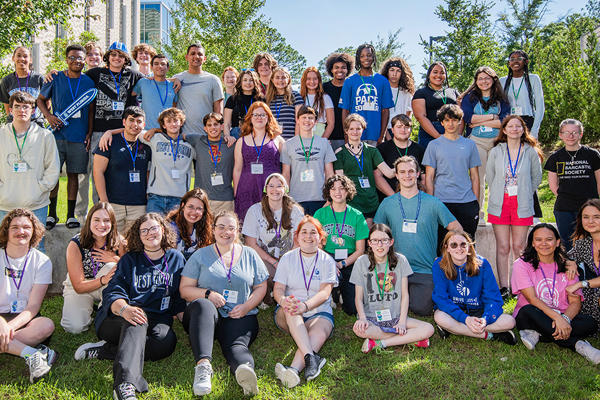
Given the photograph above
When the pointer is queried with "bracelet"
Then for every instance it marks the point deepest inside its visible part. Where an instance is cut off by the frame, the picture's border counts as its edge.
(566, 317)
(101, 284)
(305, 305)
(123, 309)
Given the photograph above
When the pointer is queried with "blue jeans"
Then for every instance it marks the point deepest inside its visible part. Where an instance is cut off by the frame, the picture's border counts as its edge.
(311, 207)
(235, 132)
(161, 204)
(565, 222)
(41, 214)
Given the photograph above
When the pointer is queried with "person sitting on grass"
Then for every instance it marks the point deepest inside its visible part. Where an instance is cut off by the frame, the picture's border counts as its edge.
(23, 331)
(381, 284)
(303, 282)
(467, 298)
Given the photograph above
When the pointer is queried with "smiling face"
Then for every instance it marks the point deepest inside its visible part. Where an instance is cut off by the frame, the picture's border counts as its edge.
(143, 57)
(172, 126)
(380, 243)
(407, 174)
(545, 243)
(570, 134)
(247, 83)
(100, 223)
(517, 63)
(214, 129)
(20, 231)
(312, 81)
(484, 82)
(306, 122)
(133, 125)
(93, 58)
(275, 189)
(355, 131)
(22, 59)
(437, 76)
(590, 219)
(280, 80)
(394, 75)
(264, 68)
(193, 210)
(116, 59)
(160, 66)
(340, 71)
(514, 129)
(338, 193)
(229, 79)
(151, 234)
(226, 230)
(458, 248)
(259, 118)
(366, 58)
(309, 238)
(76, 60)
(401, 132)
(195, 57)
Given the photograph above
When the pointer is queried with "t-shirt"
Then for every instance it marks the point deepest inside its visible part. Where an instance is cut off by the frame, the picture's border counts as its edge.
(205, 166)
(390, 153)
(310, 101)
(206, 266)
(576, 178)
(62, 96)
(31, 84)
(119, 189)
(318, 269)
(112, 88)
(434, 100)
(354, 228)
(420, 247)
(452, 160)
(402, 104)
(366, 200)
(255, 226)
(286, 114)
(239, 108)
(196, 98)
(550, 291)
(367, 96)
(38, 271)
(307, 178)
(479, 110)
(376, 282)
(335, 92)
(158, 96)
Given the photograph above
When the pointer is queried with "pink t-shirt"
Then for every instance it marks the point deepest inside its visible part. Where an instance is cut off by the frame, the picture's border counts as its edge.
(524, 276)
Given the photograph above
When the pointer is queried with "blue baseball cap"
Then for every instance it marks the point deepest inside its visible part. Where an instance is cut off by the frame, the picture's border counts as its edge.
(118, 46)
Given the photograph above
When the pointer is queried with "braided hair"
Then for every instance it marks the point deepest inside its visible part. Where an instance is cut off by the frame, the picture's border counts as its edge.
(359, 50)
(525, 76)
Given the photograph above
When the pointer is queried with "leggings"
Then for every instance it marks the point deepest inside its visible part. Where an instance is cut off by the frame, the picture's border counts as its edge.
(204, 324)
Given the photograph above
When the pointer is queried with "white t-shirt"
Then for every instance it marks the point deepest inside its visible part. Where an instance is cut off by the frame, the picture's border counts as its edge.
(289, 272)
(310, 101)
(402, 102)
(37, 271)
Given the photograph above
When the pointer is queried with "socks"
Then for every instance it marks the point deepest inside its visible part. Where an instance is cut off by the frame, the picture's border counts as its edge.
(382, 343)
(489, 336)
(28, 351)
(70, 208)
(52, 207)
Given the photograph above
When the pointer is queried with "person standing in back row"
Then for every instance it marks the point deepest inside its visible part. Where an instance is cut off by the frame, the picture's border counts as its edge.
(339, 66)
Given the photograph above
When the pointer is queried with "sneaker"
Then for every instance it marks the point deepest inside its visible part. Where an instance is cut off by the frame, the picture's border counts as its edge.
(507, 337)
(584, 348)
(263, 306)
(246, 378)
(202, 379)
(369, 344)
(313, 365)
(88, 350)
(287, 375)
(422, 343)
(529, 338)
(505, 293)
(444, 334)
(125, 391)
(40, 363)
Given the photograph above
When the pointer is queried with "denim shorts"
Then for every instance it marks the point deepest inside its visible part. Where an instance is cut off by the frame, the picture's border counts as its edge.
(321, 314)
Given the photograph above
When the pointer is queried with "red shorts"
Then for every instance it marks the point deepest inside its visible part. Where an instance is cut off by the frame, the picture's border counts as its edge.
(509, 214)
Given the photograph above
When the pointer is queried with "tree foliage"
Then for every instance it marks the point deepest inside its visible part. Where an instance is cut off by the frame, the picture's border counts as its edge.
(55, 50)
(519, 25)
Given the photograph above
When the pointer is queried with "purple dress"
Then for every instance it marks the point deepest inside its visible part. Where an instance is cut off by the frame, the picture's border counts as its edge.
(250, 186)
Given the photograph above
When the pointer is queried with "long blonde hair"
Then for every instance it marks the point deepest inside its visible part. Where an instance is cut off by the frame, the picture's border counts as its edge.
(288, 96)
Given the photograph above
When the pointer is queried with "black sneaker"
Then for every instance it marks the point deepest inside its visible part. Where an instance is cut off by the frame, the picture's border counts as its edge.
(505, 293)
(314, 363)
(88, 350)
(507, 337)
(125, 391)
(443, 333)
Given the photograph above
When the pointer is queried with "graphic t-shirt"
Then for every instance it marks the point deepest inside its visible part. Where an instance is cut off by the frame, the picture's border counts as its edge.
(158, 96)
(353, 228)
(335, 92)
(31, 84)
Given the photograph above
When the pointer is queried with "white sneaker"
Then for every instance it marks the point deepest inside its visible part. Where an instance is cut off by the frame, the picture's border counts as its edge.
(246, 378)
(88, 350)
(588, 351)
(287, 375)
(529, 338)
(202, 379)
(40, 363)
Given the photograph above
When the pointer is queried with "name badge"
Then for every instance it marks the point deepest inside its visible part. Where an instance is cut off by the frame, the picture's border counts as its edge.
(409, 226)
(20, 167)
(486, 129)
(216, 179)
(307, 176)
(118, 106)
(231, 296)
(512, 190)
(17, 306)
(134, 176)
(341, 254)
(276, 252)
(164, 304)
(76, 115)
(364, 182)
(175, 173)
(383, 315)
(369, 106)
(256, 168)
(516, 110)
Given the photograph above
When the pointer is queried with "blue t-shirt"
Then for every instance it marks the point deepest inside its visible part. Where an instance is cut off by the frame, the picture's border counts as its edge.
(119, 189)
(206, 266)
(419, 248)
(62, 96)
(367, 96)
(155, 100)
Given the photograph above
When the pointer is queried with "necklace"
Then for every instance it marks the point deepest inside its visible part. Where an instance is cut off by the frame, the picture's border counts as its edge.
(573, 155)
(309, 254)
(152, 251)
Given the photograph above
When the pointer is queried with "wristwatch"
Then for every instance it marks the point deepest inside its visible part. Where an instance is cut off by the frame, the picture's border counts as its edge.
(207, 293)
(343, 264)
(585, 284)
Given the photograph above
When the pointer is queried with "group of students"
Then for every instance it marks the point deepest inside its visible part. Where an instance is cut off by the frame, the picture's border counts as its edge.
(331, 196)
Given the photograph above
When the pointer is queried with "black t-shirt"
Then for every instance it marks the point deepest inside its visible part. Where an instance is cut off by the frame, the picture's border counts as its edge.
(391, 153)
(106, 117)
(576, 179)
(239, 107)
(435, 100)
(335, 92)
(32, 85)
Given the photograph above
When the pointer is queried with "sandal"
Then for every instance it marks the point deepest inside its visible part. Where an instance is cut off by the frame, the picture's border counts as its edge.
(73, 223)
(51, 222)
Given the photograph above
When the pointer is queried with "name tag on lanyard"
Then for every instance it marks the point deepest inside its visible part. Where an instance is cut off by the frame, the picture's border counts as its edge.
(383, 315)
(231, 296)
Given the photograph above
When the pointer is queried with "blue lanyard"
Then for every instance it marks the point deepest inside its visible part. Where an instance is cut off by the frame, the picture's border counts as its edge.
(513, 172)
(339, 231)
(74, 96)
(176, 150)
(261, 147)
(133, 158)
(166, 92)
(214, 158)
(251, 101)
(361, 163)
(554, 280)
(115, 79)
(402, 208)
(279, 109)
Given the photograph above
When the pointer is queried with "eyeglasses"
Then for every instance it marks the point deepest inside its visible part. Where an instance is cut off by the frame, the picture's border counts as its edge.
(146, 231)
(454, 245)
(25, 107)
(116, 54)
(376, 242)
(191, 208)
(571, 134)
(229, 229)
(486, 79)
(512, 59)
(74, 58)
(257, 116)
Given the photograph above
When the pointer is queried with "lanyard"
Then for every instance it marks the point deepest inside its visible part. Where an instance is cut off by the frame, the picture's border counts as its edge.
(304, 273)
(516, 95)
(20, 149)
(228, 273)
(244, 103)
(596, 269)
(278, 232)
(381, 288)
(96, 264)
(441, 93)
(261, 147)
(279, 109)
(18, 286)
(117, 86)
(482, 110)
(215, 158)
(307, 100)
(367, 88)
(513, 172)
(361, 163)
(163, 102)
(133, 158)
(74, 96)
(399, 152)
(26, 83)
(402, 208)
(397, 94)
(308, 153)
(554, 281)
(165, 273)
(339, 231)
(176, 150)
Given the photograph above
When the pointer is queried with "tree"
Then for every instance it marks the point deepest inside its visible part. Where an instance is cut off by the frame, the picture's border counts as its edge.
(55, 50)
(520, 26)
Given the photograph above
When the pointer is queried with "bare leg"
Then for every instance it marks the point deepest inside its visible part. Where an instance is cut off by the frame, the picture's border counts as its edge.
(502, 234)
(318, 330)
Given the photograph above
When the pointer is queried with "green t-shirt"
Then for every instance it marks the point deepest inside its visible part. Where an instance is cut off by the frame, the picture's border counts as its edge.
(366, 199)
(355, 228)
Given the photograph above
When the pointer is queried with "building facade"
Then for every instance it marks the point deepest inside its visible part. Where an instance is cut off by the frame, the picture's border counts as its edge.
(155, 22)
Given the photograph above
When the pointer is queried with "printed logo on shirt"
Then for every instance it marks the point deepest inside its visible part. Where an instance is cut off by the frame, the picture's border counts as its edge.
(151, 281)
(544, 292)
(215, 152)
(165, 148)
(13, 273)
(366, 98)
(462, 289)
(373, 292)
(348, 230)
(389, 283)
(312, 153)
(573, 169)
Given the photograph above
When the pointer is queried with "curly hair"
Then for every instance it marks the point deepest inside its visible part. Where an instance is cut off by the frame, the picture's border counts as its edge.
(256, 90)
(171, 113)
(266, 56)
(346, 184)
(143, 47)
(335, 58)
(407, 82)
(392, 257)
(531, 256)
(272, 129)
(203, 227)
(37, 233)
(288, 96)
(446, 263)
(113, 239)
(134, 240)
(90, 46)
(526, 137)
(318, 102)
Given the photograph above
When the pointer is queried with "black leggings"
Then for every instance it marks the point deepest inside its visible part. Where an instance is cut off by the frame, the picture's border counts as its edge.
(130, 345)
(203, 323)
(531, 317)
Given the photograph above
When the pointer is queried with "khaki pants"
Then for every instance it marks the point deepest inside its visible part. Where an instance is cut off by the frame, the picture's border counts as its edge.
(484, 146)
(218, 206)
(81, 207)
(126, 216)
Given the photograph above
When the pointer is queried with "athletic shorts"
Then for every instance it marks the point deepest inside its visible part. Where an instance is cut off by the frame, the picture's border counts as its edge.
(74, 154)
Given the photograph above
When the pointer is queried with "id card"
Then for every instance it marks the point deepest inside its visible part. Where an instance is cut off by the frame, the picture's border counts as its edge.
(516, 110)
(216, 179)
(256, 168)
(164, 304)
(307, 176)
(409, 226)
(364, 182)
(486, 129)
(175, 173)
(230, 296)
(76, 115)
(341, 254)
(20, 167)
(17, 306)
(276, 252)
(512, 190)
(118, 106)
(383, 315)
(369, 106)
(134, 176)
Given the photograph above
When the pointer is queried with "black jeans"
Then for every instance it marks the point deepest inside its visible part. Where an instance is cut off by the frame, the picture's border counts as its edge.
(467, 214)
(204, 324)
(531, 317)
(130, 345)
(420, 288)
(346, 289)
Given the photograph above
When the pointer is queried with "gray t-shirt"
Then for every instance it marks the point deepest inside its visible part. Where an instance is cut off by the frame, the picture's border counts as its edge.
(452, 160)
(371, 282)
(205, 166)
(293, 154)
(196, 97)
